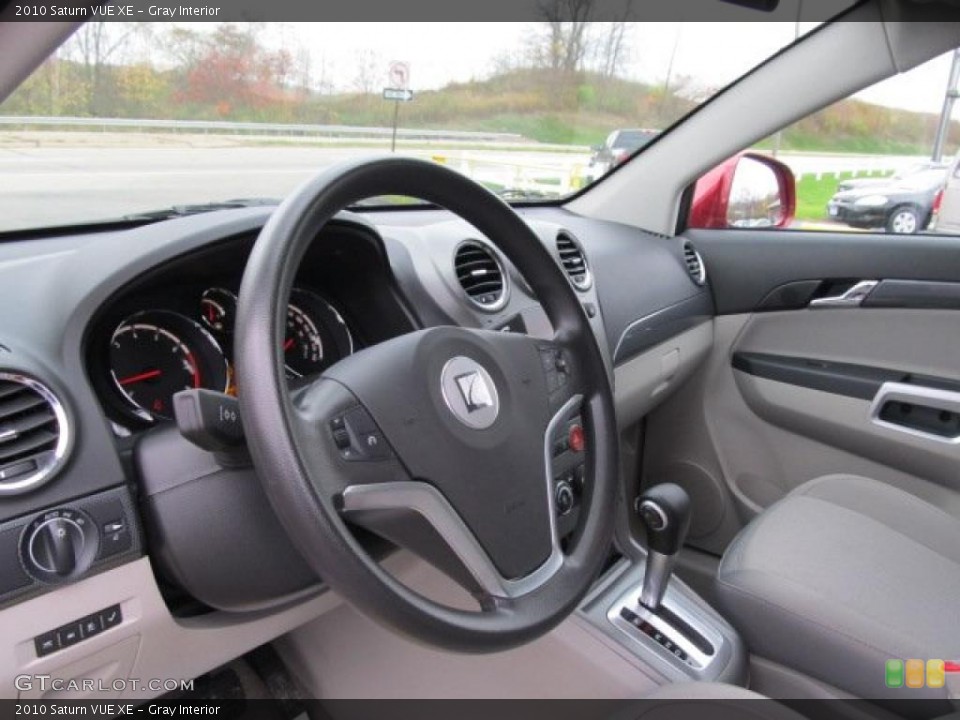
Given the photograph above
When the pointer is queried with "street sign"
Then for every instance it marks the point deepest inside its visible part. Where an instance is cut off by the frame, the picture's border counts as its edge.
(398, 94)
(400, 75)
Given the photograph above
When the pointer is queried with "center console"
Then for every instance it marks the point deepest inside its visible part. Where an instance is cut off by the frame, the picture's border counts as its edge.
(650, 613)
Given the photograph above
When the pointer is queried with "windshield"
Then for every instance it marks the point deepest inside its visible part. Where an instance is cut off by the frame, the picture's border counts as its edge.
(129, 118)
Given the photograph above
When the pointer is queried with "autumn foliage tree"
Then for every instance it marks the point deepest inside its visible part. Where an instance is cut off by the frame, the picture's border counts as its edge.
(230, 70)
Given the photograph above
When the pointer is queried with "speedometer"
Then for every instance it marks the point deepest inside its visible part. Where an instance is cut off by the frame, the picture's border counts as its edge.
(316, 335)
(156, 354)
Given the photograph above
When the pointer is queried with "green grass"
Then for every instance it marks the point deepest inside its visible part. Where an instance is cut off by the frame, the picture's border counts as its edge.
(813, 194)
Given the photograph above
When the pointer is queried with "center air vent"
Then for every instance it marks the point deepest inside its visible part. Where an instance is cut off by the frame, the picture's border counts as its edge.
(573, 260)
(695, 266)
(33, 434)
(481, 276)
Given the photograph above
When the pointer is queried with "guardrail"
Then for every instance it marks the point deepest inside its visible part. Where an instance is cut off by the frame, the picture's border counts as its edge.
(254, 128)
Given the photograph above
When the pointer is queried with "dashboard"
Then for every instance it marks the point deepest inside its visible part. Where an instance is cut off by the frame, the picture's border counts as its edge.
(112, 323)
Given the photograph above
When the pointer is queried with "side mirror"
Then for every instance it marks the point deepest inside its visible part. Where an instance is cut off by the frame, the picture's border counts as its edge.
(746, 191)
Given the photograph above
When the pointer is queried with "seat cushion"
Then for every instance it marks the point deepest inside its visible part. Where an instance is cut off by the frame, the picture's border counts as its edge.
(842, 575)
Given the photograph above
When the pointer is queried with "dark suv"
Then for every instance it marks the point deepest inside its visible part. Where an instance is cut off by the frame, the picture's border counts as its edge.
(619, 145)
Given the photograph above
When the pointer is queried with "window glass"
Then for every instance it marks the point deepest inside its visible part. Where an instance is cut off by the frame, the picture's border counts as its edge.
(882, 160)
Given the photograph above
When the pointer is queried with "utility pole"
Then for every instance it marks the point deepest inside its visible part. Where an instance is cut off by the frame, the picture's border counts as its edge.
(943, 129)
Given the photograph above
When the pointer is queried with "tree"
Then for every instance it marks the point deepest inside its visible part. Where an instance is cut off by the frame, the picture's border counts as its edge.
(369, 68)
(614, 49)
(97, 43)
(567, 39)
(230, 70)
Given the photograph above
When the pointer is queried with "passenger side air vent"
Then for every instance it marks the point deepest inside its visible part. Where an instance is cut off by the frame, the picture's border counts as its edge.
(481, 276)
(33, 434)
(573, 260)
(695, 266)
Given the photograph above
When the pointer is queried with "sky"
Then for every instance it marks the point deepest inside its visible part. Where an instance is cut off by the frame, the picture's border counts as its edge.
(710, 54)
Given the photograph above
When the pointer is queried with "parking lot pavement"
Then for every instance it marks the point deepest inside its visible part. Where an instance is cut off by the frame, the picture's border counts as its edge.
(60, 183)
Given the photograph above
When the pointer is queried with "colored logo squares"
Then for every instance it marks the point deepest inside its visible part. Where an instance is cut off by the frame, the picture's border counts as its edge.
(917, 674)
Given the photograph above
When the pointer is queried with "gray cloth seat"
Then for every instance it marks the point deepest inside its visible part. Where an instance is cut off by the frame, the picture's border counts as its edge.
(843, 574)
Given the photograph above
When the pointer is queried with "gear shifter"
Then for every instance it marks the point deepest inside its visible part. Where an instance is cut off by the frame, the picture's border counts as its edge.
(664, 511)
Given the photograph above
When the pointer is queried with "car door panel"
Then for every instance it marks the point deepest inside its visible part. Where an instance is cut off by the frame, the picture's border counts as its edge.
(747, 266)
(792, 394)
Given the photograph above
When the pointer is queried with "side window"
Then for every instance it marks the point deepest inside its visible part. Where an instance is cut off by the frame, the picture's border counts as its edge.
(882, 160)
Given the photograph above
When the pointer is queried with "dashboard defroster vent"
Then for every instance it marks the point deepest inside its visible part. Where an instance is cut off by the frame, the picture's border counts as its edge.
(34, 435)
(481, 276)
(695, 266)
(574, 261)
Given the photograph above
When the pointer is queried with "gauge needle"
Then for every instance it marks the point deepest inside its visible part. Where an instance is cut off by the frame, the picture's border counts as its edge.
(149, 375)
(288, 345)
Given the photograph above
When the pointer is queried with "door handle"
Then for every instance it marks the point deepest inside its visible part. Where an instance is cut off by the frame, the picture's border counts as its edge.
(853, 297)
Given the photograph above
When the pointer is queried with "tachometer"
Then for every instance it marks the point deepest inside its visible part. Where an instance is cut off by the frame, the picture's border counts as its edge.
(156, 354)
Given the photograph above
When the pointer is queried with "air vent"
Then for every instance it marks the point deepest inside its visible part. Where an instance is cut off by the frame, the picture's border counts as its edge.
(33, 434)
(573, 260)
(695, 266)
(481, 276)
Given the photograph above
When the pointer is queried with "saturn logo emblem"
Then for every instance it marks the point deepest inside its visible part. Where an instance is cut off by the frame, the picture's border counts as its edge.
(470, 393)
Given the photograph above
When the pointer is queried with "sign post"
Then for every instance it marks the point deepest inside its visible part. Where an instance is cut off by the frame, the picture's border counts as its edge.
(399, 91)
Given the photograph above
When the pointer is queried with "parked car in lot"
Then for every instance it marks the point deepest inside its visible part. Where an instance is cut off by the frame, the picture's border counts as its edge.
(619, 145)
(857, 183)
(902, 205)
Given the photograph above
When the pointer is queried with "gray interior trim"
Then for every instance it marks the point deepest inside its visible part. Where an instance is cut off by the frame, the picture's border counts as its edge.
(915, 294)
(936, 398)
(437, 510)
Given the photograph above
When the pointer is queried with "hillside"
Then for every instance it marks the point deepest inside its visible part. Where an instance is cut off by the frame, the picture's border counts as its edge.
(577, 109)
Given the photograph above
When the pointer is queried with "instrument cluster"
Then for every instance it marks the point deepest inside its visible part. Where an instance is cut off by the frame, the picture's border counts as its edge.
(152, 354)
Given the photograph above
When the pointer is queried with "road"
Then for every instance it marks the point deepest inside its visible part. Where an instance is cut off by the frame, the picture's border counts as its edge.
(50, 178)
(54, 185)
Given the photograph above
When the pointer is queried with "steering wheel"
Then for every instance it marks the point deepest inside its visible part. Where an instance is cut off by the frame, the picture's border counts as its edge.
(441, 440)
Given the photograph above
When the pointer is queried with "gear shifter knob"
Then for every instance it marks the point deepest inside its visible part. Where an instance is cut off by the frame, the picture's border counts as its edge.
(664, 511)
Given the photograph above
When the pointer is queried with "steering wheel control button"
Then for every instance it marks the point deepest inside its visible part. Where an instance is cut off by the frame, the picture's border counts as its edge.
(470, 392)
(564, 499)
(556, 368)
(358, 438)
(77, 631)
(575, 438)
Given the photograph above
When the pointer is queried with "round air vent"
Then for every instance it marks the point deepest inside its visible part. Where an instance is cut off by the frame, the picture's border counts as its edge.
(34, 434)
(695, 266)
(574, 261)
(481, 275)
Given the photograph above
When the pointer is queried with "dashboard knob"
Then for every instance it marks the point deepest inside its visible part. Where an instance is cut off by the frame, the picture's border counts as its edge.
(59, 545)
(55, 546)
